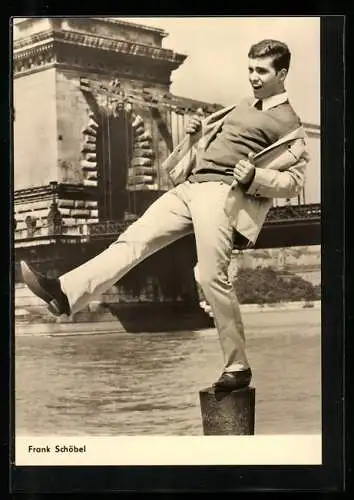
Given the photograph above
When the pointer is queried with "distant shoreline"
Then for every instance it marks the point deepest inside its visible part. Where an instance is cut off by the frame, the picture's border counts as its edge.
(278, 306)
(104, 326)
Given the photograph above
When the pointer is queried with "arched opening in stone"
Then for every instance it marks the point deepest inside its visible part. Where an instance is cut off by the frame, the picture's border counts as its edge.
(114, 146)
(117, 154)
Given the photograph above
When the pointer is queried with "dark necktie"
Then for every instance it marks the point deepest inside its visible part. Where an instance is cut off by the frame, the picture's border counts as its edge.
(258, 105)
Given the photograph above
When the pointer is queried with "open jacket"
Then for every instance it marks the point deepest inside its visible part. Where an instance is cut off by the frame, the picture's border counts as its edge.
(280, 173)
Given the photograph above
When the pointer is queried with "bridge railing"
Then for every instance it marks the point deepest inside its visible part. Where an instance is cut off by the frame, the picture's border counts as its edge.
(112, 228)
(295, 212)
(276, 215)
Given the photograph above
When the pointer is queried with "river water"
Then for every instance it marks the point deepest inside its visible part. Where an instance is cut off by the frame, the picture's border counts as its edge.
(125, 384)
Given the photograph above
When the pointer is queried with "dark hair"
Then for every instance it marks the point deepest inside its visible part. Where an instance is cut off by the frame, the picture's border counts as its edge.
(279, 51)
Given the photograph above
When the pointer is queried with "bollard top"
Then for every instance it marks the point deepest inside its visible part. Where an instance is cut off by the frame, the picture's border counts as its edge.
(211, 390)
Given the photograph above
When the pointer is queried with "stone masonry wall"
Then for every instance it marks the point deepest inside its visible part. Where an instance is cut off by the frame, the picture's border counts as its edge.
(32, 216)
(35, 130)
(72, 117)
(49, 147)
(77, 214)
(74, 112)
(111, 29)
(37, 210)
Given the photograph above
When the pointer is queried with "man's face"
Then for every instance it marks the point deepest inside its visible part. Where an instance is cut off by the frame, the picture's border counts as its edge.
(263, 77)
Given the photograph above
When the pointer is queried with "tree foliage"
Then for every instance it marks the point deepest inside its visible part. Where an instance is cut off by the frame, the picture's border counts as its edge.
(265, 285)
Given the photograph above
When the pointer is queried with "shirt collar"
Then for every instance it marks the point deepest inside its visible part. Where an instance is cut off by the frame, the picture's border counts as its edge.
(274, 100)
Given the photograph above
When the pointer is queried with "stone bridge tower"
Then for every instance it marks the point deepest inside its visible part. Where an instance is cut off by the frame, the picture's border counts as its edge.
(69, 75)
(93, 120)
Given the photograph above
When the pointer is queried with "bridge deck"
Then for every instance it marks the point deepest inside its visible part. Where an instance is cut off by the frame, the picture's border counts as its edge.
(285, 226)
(291, 225)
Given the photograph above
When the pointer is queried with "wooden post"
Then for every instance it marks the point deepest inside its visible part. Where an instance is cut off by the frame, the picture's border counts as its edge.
(228, 413)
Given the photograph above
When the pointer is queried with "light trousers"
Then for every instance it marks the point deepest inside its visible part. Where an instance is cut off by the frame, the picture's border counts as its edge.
(188, 207)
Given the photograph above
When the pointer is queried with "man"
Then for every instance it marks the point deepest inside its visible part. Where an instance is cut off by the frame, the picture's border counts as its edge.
(226, 172)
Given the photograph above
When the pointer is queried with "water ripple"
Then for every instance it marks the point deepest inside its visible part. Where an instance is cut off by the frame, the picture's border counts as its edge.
(149, 383)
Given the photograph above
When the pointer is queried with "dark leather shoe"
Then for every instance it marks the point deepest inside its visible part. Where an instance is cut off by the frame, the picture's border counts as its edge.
(47, 289)
(230, 381)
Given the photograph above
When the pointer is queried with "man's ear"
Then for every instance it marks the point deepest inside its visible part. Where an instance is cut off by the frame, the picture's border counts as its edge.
(282, 74)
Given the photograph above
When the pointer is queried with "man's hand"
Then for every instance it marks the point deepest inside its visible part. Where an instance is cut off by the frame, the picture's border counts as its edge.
(206, 307)
(194, 125)
(244, 170)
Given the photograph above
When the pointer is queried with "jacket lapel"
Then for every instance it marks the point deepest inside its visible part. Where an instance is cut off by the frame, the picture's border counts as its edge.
(212, 124)
(298, 133)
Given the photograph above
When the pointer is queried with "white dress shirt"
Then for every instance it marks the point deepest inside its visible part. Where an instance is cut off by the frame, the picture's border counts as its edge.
(272, 101)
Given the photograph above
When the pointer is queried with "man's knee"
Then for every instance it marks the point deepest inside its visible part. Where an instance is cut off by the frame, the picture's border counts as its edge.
(210, 276)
